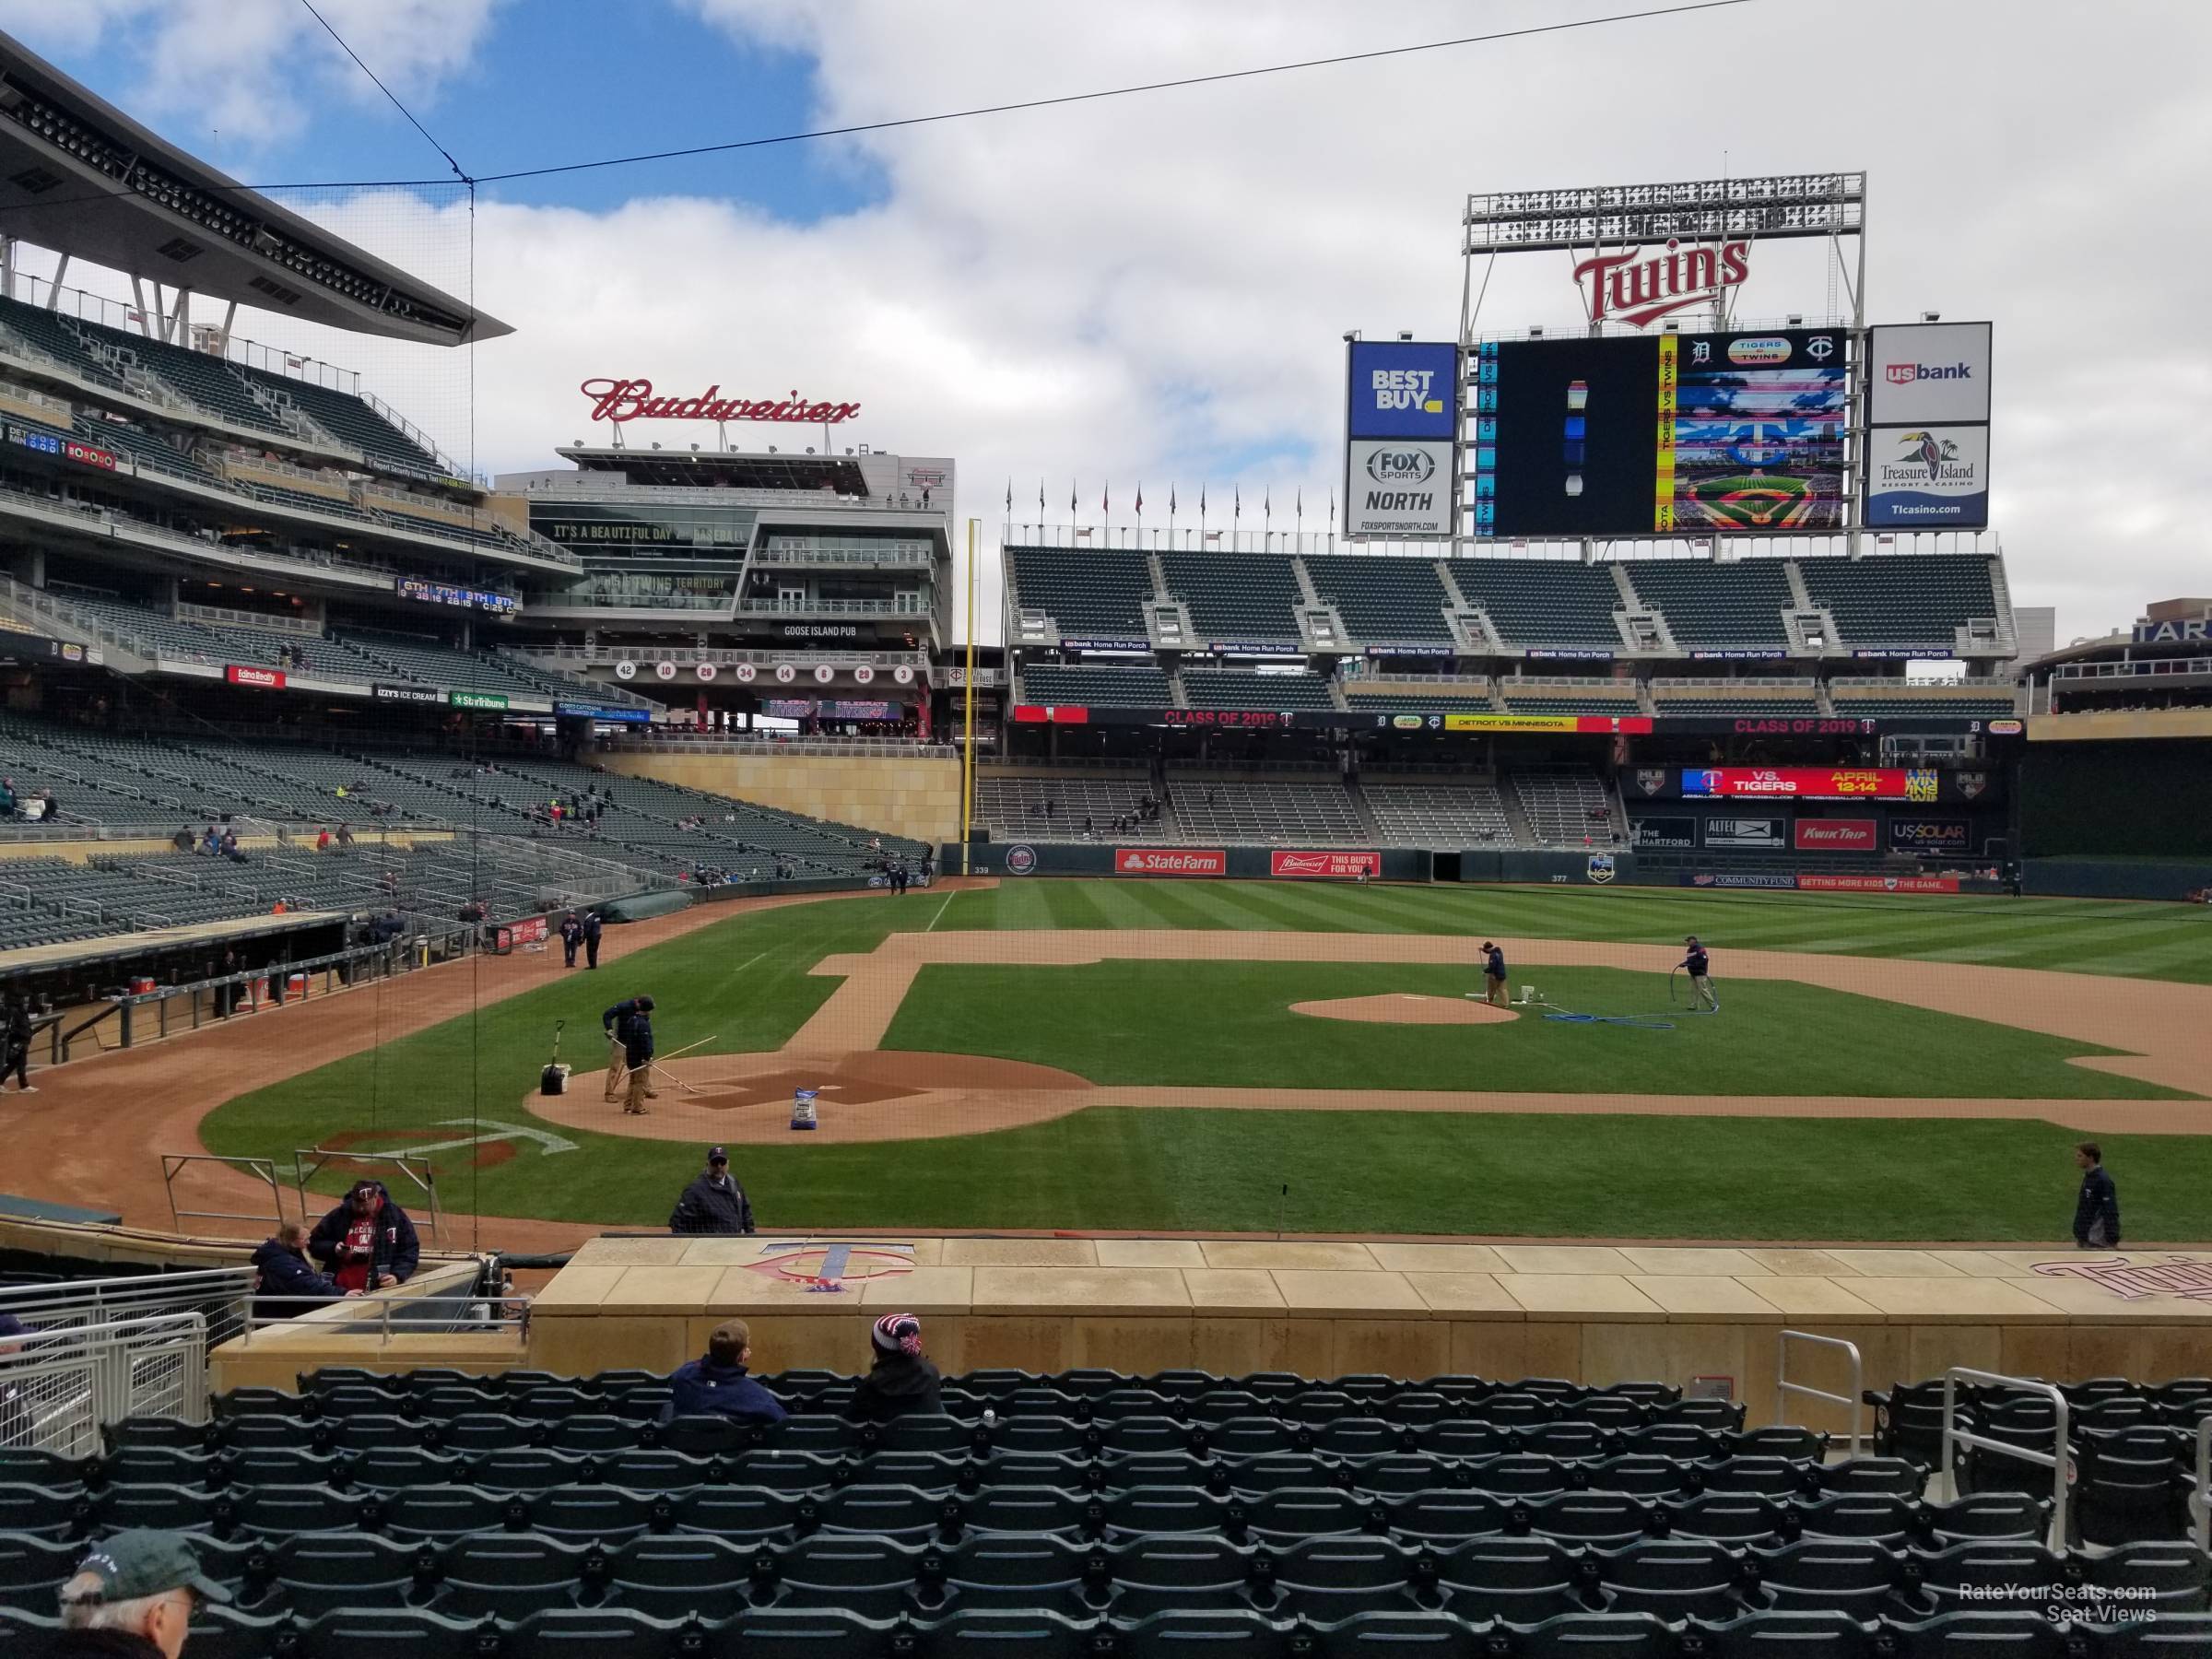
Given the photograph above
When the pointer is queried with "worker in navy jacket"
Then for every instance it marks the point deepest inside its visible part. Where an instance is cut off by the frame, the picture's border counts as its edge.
(2097, 1210)
(717, 1385)
(287, 1281)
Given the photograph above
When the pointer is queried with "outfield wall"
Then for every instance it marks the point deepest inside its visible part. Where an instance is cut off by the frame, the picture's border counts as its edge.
(917, 796)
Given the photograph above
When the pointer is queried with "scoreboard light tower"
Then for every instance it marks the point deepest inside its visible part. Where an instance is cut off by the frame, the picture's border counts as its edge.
(1646, 253)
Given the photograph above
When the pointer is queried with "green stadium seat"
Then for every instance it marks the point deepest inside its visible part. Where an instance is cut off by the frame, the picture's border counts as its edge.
(163, 1508)
(319, 1571)
(1637, 1474)
(1787, 1635)
(680, 1575)
(602, 1514)
(444, 1511)
(1851, 1576)
(391, 1633)
(1730, 1517)
(737, 1511)
(1978, 1635)
(391, 1468)
(1524, 1581)
(1674, 1578)
(506, 1577)
(268, 1512)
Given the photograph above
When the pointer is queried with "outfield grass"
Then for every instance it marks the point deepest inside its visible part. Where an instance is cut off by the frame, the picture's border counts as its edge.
(744, 981)
(2080, 935)
(1229, 1023)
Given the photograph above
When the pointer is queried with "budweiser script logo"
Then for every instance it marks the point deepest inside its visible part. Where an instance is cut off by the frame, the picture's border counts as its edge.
(2189, 1278)
(621, 400)
(1638, 290)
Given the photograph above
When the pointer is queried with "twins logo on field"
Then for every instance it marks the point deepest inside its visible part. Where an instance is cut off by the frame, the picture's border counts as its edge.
(1020, 860)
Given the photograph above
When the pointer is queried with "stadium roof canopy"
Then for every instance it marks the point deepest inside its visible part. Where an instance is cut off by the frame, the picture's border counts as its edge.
(837, 474)
(80, 176)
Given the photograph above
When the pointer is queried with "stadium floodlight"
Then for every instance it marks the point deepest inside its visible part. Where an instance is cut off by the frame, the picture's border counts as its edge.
(1931, 316)
(1404, 333)
(1537, 332)
(1795, 320)
(1765, 206)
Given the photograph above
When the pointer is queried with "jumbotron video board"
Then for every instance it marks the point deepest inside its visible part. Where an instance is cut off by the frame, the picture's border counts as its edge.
(1680, 433)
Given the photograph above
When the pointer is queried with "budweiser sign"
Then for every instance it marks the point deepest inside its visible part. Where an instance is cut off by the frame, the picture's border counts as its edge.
(621, 400)
(1639, 288)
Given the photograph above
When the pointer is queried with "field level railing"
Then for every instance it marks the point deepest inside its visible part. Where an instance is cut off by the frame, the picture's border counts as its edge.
(2056, 1460)
(1784, 1387)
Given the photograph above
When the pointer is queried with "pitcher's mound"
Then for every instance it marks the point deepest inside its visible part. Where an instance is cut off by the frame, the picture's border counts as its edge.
(1406, 1007)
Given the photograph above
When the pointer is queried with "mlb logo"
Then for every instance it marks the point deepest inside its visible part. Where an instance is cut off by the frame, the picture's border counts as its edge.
(1651, 780)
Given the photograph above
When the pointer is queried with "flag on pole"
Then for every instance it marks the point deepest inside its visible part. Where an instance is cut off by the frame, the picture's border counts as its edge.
(1301, 508)
(1267, 507)
(1071, 500)
(1040, 500)
(1171, 502)
(1332, 509)
(1236, 510)
(1106, 500)
(1140, 497)
(1009, 496)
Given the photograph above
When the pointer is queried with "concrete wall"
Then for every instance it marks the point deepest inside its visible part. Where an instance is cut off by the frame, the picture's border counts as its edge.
(918, 797)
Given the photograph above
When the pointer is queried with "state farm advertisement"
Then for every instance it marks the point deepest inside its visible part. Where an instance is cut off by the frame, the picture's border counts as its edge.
(1168, 861)
(1811, 783)
(1325, 866)
(1835, 835)
(1877, 884)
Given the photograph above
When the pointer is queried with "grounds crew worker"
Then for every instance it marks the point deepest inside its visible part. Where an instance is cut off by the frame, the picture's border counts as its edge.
(2096, 1211)
(132, 1597)
(713, 1203)
(1700, 966)
(629, 1027)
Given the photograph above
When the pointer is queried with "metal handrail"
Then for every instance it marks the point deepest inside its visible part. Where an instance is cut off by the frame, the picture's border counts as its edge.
(502, 1311)
(262, 1168)
(2200, 1500)
(1856, 1399)
(2056, 1460)
(24, 1299)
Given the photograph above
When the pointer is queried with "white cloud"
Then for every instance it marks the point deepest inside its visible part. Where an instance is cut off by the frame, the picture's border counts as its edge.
(1142, 288)
(255, 70)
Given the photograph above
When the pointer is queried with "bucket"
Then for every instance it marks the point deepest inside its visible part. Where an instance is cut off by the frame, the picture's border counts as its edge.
(142, 986)
(296, 985)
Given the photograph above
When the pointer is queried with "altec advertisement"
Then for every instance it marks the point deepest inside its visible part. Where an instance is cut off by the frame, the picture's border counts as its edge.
(1836, 835)
(1325, 866)
(1168, 861)
(1401, 417)
(1811, 783)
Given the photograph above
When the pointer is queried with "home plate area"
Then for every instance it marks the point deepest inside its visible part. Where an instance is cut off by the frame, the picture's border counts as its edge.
(867, 1095)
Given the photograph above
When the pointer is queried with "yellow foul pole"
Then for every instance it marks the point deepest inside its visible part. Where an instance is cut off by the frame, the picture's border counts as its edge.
(968, 715)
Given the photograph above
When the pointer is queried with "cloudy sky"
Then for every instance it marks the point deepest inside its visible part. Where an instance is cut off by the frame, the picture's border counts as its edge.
(1154, 288)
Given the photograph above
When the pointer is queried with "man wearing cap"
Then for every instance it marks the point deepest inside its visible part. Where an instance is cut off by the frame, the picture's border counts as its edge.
(629, 1027)
(1700, 966)
(368, 1243)
(713, 1203)
(132, 1598)
(1493, 974)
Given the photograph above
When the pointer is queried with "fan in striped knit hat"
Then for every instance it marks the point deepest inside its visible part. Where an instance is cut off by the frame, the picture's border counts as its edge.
(899, 1334)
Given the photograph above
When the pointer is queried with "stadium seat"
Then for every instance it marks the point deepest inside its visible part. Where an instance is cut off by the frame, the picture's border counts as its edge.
(1444, 1517)
(1297, 1512)
(2169, 1576)
(1598, 1518)
(1815, 1574)
(1975, 1575)
(441, 1512)
(1876, 1515)
(887, 1511)
(1153, 1575)
(1768, 1476)
(1731, 1518)
(731, 1512)
(1247, 1634)
(681, 1574)
(1898, 1477)
(1978, 1636)
(318, 1571)
(803, 1633)
(507, 1576)
(2170, 1636)
(1987, 1516)
(1786, 1635)
(384, 1469)
(474, 1430)
(606, 1514)
(1591, 1635)
(582, 1436)
(401, 1633)
(2132, 1485)
(654, 1471)
(602, 1634)
(1521, 1581)
(1675, 1578)
(166, 1507)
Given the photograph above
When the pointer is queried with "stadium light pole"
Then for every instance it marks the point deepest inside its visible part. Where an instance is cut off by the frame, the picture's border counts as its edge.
(968, 715)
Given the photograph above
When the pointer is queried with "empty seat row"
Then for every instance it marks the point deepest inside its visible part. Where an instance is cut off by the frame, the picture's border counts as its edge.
(368, 1457)
(813, 1631)
(1282, 1515)
(515, 1575)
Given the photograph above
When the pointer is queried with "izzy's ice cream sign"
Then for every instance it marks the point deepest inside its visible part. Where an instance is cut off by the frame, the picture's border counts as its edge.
(1639, 287)
(621, 400)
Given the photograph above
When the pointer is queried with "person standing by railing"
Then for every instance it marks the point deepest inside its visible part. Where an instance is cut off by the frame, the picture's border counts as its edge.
(16, 1058)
